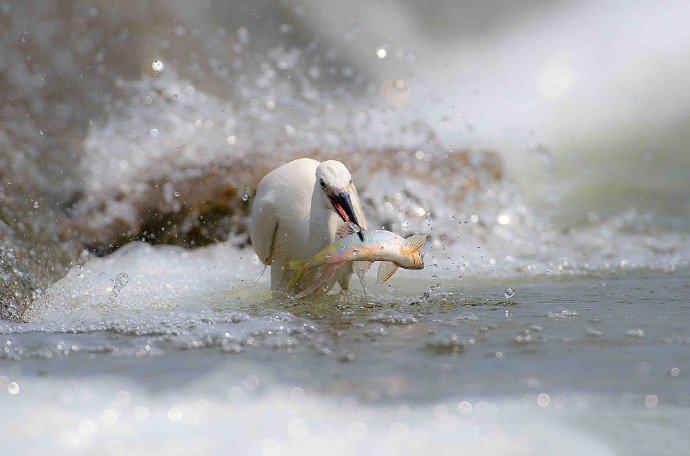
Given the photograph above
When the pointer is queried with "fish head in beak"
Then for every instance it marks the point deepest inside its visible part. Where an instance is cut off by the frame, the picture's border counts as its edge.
(342, 205)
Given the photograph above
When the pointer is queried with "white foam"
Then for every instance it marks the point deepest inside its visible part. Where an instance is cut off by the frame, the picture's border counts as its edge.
(139, 277)
(210, 416)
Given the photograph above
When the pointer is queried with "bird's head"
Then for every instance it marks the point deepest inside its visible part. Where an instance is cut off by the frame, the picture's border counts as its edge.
(335, 181)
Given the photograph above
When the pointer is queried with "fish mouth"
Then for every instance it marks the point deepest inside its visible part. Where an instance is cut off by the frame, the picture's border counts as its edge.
(342, 204)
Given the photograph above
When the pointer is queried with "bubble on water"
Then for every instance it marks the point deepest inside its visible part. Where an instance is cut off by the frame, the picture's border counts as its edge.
(593, 332)
(245, 197)
(251, 382)
(157, 66)
(147, 100)
(675, 372)
(381, 52)
(175, 414)
(635, 333)
(561, 312)
(232, 140)
(543, 400)
(509, 293)
(154, 133)
(474, 218)
(651, 401)
(464, 408)
(36, 205)
(13, 388)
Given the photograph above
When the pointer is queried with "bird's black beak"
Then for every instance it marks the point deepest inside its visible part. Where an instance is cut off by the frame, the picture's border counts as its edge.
(343, 207)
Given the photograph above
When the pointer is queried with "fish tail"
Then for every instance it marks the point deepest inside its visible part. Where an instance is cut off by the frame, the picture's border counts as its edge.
(299, 272)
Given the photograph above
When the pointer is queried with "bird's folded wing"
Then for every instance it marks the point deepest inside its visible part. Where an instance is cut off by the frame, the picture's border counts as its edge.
(262, 230)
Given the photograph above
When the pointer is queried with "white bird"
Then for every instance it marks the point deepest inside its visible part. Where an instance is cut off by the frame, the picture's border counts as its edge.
(296, 212)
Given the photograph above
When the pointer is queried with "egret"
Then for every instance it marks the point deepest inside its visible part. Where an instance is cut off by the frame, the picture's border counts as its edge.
(296, 212)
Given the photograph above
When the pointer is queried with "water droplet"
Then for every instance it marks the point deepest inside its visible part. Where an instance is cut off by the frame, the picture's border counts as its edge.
(175, 414)
(509, 293)
(36, 204)
(147, 100)
(119, 283)
(503, 219)
(245, 197)
(543, 400)
(157, 66)
(381, 52)
(154, 133)
(232, 140)
(13, 388)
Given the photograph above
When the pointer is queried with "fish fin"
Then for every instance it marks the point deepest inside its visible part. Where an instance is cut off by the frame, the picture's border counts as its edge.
(325, 272)
(360, 267)
(299, 268)
(346, 229)
(414, 242)
(386, 271)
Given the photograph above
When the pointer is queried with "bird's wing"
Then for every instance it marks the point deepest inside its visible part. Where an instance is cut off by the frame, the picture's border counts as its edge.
(262, 229)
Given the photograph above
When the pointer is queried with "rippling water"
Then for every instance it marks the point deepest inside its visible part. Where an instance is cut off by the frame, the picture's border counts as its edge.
(552, 316)
(169, 350)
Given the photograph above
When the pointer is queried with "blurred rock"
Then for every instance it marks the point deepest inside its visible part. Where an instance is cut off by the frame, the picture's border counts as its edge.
(196, 206)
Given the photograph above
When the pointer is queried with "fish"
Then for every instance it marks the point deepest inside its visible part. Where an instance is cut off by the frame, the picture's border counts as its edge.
(392, 250)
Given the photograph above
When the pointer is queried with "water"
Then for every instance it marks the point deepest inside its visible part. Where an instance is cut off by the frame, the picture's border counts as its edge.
(552, 182)
(197, 353)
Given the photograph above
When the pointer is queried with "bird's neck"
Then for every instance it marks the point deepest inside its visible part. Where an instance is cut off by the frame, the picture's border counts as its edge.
(322, 229)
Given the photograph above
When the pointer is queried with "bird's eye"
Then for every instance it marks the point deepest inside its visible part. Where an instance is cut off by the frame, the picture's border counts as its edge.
(323, 184)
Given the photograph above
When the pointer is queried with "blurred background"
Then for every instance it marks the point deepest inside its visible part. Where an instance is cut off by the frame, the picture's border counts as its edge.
(542, 146)
(154, 120)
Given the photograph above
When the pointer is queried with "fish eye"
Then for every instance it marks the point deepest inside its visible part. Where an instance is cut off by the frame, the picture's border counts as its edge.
(323, 184)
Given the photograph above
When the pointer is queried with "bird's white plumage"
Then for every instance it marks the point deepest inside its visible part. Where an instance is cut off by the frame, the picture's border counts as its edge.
(292, 218)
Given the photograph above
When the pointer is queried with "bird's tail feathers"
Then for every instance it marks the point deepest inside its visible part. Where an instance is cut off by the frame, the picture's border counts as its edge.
(262, 274)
